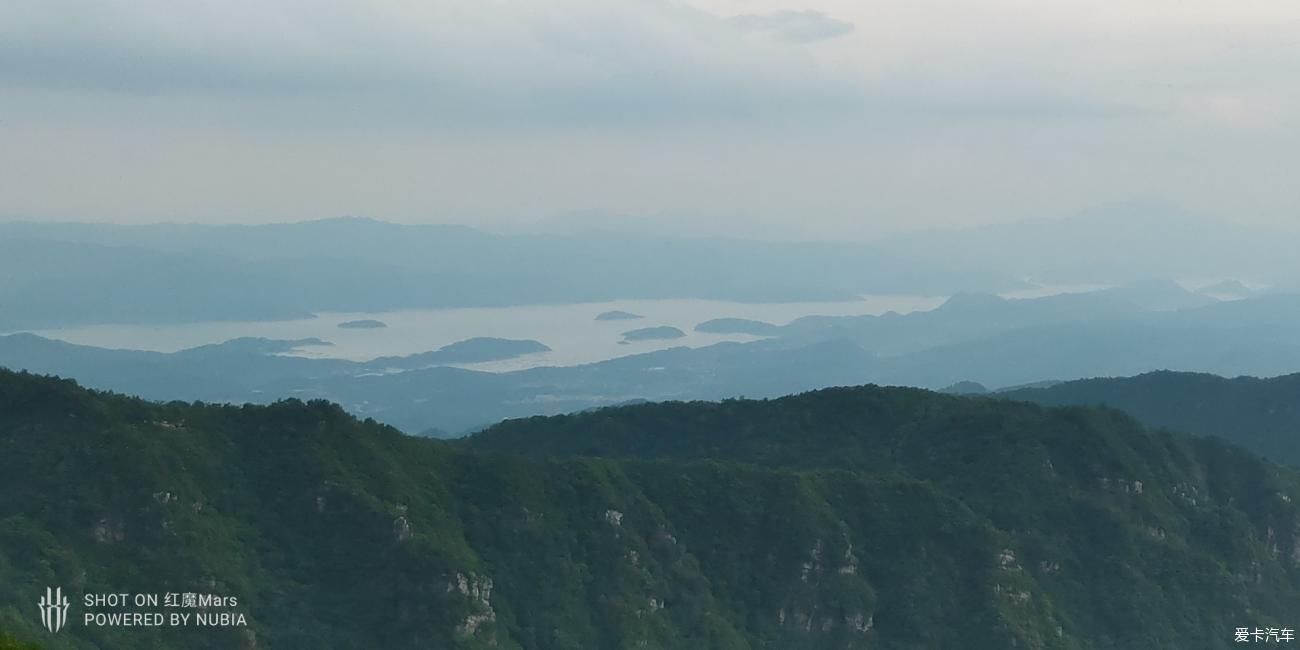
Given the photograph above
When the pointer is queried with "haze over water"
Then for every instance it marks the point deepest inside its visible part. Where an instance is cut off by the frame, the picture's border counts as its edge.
(571, 330)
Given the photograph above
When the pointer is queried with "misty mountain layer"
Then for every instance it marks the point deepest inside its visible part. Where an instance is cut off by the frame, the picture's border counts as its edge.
(981, 338)
(64, 274)
(54, 275)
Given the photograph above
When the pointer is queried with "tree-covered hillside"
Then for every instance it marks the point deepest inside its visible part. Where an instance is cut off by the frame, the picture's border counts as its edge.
(1125, 531)
(850, 518)
(1262, 415)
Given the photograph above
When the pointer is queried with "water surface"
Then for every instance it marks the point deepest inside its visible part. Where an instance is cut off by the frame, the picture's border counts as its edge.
(570, 330)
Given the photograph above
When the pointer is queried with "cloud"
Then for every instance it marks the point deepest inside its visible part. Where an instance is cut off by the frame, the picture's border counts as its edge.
(794, 26)
(484, 109)
(452, 61)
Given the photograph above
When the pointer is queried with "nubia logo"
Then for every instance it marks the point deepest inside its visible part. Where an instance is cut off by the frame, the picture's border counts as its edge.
(54, 609)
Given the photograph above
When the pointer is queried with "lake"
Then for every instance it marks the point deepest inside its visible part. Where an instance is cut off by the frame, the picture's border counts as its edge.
(572, 332)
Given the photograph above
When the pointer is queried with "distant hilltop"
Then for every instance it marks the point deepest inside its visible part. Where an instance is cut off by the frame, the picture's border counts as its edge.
(618, 315)
(738, 326)
(365, 324)
(653, 333)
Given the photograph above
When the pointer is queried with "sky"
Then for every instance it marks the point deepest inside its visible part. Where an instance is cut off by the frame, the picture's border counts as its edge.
(816, 119)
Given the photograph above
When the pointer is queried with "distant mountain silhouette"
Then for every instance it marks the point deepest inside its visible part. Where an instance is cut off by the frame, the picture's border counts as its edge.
(1110, 244)
(70, 274)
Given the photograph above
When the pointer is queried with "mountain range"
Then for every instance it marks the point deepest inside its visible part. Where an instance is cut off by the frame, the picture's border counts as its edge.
(67, 274)
(1262, 415)
(843, 518)
(56, 275)
(994, 341)
(1113, 244)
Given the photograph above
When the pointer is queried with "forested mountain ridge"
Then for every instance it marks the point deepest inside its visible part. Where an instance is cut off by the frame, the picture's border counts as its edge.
(847, 518)
(341, 534)
(1081, 490)
(1262, 415)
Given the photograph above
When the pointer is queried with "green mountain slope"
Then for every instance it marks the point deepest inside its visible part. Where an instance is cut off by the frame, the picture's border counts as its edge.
(1137, 538)
(1262, 415)
(938, 523)
(339, 534)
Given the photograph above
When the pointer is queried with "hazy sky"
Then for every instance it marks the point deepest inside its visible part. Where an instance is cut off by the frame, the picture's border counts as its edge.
(824, 117)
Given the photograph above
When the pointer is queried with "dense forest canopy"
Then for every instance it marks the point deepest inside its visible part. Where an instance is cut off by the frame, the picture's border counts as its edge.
(845, 518)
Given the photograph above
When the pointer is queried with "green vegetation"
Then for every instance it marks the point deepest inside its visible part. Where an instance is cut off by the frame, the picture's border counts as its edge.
(1262, 415)
(847, 518)
(9, 643)
(1121, 537)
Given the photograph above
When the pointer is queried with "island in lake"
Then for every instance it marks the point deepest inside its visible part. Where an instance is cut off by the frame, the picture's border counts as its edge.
(737, 326)
(653, 334)
(618, 315)
(366, 324)
(475, 350)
